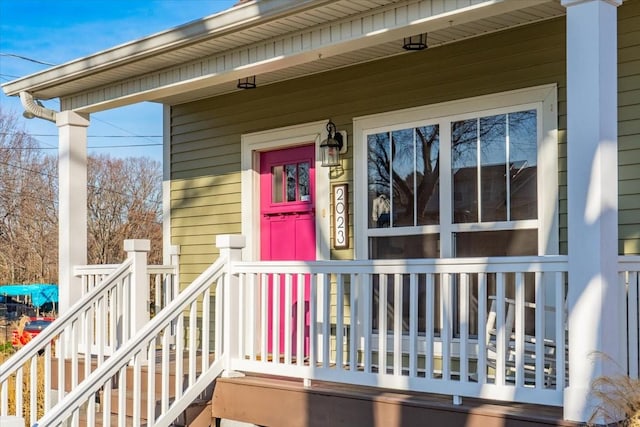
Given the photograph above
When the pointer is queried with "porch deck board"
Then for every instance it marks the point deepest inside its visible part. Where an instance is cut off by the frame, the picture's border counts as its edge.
(282, 402)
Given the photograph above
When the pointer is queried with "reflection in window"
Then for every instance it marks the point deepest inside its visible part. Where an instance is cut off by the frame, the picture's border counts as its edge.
(290, 170)
(403, 177)
(303, 181)
(494, 168)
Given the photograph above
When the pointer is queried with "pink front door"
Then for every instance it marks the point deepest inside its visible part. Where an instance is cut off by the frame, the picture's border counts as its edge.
(288, 229)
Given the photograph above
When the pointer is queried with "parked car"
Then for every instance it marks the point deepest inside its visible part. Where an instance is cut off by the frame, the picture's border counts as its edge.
(32, 328)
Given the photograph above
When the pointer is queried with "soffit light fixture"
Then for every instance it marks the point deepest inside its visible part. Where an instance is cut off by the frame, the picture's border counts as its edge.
(247, 83)
(331, 147)
(417, 42)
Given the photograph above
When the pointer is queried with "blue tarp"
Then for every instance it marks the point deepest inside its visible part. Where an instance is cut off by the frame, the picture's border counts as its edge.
(39, 293)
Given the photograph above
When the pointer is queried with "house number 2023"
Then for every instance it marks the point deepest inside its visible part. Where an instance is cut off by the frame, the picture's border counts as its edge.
(340, 216)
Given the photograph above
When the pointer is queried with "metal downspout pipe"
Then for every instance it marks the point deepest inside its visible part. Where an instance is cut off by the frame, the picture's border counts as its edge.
(33, 108)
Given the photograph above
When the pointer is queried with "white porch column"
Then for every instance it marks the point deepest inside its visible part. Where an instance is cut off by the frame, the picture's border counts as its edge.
(595, 301)
(72, 204)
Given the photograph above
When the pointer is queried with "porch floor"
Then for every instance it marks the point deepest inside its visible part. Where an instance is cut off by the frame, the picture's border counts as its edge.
(281, 402)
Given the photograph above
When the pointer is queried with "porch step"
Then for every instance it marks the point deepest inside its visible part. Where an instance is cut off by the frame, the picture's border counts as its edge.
(284, 402)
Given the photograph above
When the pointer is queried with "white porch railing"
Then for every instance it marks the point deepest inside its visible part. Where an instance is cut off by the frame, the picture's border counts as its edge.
(630, 280)
(482, 327)
(102, 317)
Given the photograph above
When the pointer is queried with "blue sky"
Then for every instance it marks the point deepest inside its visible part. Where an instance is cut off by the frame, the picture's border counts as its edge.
(57, 31)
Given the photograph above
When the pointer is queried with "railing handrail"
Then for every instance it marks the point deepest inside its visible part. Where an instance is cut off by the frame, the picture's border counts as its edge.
(628, 262)
(541, 263)
(80, 270)
(121, 357)
(40, 341)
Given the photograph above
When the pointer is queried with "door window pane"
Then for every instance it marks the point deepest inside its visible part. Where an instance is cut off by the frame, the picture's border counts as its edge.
(303, 181)
(290, 170)
(276, 184)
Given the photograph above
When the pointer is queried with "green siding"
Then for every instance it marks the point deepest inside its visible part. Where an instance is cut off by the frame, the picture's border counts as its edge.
(205, 150)
(629, 127)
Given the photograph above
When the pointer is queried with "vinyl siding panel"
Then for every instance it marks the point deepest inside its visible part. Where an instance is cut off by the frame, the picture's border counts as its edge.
(629, 127)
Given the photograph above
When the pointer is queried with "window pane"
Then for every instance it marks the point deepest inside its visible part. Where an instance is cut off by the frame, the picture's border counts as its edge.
(290, 170)
(496, 243)
(303, 181)
(276, 184)
(523, 163)
(464, 142)
(428, 174)
(403, 178)
(493, 158)
(378, 179)
(394, 247)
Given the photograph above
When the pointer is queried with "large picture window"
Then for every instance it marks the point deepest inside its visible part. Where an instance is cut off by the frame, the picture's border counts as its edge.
(469, 178)
(463, 183)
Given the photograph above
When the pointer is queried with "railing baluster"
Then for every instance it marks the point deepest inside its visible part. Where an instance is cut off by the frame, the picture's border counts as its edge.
(519, 329)
(464, 326)
(264, 320)
(288, 303)
(398, 300)
(353, 317)
(206, 327)
(300, 319)
(501, 333)
(313, 320)
(382, 323)
(540, 356)
(560, 331)
(366, 287)
(192, 349)
(447, 324)
(275, 318)
(339, 320)
(151, 382)
(430, 305)
(326, 320)
(482, 328)
(413, 324)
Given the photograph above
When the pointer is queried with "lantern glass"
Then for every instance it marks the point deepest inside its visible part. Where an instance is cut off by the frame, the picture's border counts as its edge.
(330, 152)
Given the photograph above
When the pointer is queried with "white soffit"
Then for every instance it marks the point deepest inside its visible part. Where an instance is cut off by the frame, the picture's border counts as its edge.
(322, 36)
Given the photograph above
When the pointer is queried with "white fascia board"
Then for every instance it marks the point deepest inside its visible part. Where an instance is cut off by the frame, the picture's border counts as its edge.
(312, 44)
(225, 22)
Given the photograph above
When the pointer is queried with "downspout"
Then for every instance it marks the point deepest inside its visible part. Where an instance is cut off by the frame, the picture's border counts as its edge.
(33, 108)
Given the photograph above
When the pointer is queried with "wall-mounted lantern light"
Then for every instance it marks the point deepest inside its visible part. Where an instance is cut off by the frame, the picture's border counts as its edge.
(331, 147)
(417, 42)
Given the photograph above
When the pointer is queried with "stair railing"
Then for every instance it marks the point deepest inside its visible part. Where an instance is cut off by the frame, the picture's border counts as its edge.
(44, 357)
(148, 362)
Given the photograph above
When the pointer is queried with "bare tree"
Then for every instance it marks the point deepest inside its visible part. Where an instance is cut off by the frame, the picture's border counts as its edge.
(124, 202)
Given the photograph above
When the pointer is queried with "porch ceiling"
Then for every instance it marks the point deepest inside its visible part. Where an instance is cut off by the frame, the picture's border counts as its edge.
(273, 39)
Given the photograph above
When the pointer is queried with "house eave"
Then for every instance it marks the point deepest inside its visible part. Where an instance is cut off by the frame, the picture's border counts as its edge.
(44, 84)
(274, 40)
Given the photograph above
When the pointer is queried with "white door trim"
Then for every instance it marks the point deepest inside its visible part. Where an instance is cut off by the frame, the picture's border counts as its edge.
(251, 146)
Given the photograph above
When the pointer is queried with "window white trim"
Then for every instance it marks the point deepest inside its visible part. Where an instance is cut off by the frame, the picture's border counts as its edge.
(251, 146)
(543, 98)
